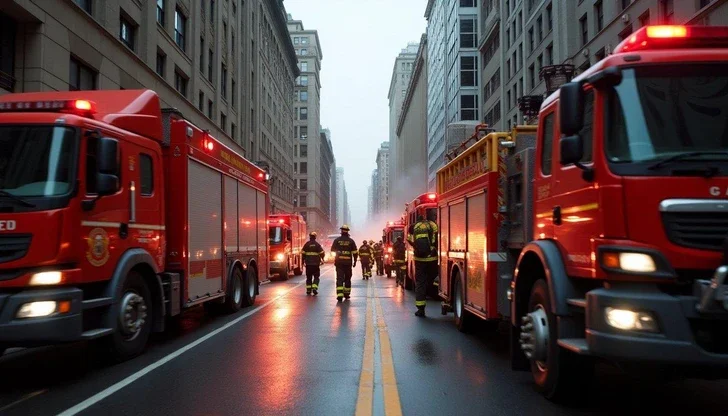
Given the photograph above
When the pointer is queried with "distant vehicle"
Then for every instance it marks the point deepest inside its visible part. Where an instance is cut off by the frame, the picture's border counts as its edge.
(391, 231)
(287, 235)
(330, 257)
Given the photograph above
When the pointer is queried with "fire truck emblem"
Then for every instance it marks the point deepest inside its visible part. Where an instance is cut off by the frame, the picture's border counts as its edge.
(132, 163)
(98, 247)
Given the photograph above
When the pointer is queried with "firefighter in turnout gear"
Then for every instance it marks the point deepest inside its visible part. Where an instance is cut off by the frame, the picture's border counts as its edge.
(423, 239)
(399, 256)
(379, 257)
(345, 249)
(366, 254)
(313, 255)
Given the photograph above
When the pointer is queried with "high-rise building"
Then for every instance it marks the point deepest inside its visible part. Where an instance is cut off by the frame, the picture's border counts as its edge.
(401, 74)
(229, 66)
(453, 74)
(340, 199)
(327, 181)
(411, 170)
(373, 206)
(381, 190)
(312, 166)
(520, 38)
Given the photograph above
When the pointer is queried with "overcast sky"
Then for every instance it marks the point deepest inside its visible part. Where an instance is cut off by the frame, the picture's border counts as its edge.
(360, 40)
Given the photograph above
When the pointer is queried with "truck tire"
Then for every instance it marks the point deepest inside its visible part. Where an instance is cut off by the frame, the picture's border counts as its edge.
(560, 375)
(234, 297)
(463, 318)
(250, 283)
(134, 322)
(297, 271)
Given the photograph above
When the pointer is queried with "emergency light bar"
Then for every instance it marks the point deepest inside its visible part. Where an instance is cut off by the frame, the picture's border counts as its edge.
(82, 107)
(674, 37)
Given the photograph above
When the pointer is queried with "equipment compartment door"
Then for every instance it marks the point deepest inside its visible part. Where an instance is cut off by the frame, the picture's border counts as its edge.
(475, 275)
(205, 231)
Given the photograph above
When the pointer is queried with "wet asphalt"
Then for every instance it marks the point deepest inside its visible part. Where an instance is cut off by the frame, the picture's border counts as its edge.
(302, 355)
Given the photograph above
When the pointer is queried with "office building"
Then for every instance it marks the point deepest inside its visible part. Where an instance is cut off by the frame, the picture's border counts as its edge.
(381, 190)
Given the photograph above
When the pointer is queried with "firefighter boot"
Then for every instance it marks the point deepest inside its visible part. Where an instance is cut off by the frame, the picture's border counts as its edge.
(308, 290)
(420, 312)
(314, 289)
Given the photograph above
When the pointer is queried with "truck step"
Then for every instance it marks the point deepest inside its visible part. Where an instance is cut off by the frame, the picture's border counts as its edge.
(96, 333)
(579, 303)
(575, 345)
(96, 303)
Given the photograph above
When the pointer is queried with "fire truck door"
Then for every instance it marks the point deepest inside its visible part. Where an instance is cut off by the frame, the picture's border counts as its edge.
(578, 203)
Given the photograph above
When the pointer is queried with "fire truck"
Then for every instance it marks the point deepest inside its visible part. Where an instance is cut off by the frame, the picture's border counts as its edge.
(116, 214)
(423, 205)
(287, 235)
(391, 231)
(602, 236)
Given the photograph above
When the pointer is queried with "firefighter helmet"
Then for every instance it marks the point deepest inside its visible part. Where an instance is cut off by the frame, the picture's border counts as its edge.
(313, 234)
(344, 227)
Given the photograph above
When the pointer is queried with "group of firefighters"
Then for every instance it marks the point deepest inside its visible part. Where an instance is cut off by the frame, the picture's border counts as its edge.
(422, 237)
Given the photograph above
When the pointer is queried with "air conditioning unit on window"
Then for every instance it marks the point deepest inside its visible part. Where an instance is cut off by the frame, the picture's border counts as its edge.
(625, 18)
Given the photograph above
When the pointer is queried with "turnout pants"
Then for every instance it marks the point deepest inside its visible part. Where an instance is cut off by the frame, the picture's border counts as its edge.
(425, 274)
(313, 274)
(366, 267)
(380, 266)
(400, 270)
(343, 281)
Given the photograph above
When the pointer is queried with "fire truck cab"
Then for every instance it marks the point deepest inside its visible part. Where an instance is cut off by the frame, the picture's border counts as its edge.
(115, 215)
(287, 235)
(424, 205)
(391, 231)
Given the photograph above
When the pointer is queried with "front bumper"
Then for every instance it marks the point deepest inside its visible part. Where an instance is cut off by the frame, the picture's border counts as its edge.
(38, 331)
(686, 335)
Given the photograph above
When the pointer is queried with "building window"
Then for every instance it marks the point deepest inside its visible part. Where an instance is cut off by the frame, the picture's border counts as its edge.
(468, 32)
(304, 133)
(624, 34)
(303, 185)
(210, 58)
(212, 12)
(209, 109)
(531, 41)
(599, 15)
(146, 174)
(549, 18)
(532, 76)
(704, 3)
(82, 77)
(202, 54)
(296, 40)
(539, 28)
(201, 101)
(468, 107)
(180, 82)
(667, 11)
(160, 12)
(304, 41)
(468, 71)
(303, 80)
(550, 54)
(85, 5)
(645, 18)
(161, 63)
(584, 30)
(180, 28)
(223, 81)
(467, 3)
(233, 94)
(624, 3)
(304, 200)
(508, 69)
(303, 167)
(304, 52)
(304, 66)
(303, 113)
(233, 130)
(223, 121)
(304, 96)
(126, 32)
(304, 150)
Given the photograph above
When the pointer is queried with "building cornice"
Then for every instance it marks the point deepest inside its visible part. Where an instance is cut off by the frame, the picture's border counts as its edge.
(419, 63)
(280, 21)
(428, 9)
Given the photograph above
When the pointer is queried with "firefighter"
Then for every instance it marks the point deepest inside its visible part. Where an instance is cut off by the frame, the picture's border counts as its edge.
(346, 251)
(423, 239)
(379, 257)
(365, 253)
(399, 253)
(313, 255)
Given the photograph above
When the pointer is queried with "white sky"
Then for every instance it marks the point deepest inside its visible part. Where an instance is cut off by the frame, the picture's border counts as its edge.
(360, 40)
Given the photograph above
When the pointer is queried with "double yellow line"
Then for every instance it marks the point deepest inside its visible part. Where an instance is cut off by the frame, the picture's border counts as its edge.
(365, 400)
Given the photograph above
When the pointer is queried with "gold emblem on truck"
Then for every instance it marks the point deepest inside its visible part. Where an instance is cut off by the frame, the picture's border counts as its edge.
(98, 247)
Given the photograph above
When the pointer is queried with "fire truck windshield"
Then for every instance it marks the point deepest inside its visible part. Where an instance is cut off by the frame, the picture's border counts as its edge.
(431, 214)
(396, 234)
(275, 235)
(37, 161)
(660, 112)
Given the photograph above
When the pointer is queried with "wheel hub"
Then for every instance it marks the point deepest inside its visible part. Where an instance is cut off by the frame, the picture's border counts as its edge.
(237, 290)
(133, 314)
(535, 335)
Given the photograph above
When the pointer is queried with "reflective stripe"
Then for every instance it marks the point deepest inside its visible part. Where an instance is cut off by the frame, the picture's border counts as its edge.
(347, 290)
(339, 287)
(420, 302)
(421, 236)
(308, 286)
(426, 259)
(315, 286)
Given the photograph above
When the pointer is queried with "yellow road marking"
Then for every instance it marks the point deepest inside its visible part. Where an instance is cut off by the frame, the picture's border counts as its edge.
(392, 404)
(364, 402)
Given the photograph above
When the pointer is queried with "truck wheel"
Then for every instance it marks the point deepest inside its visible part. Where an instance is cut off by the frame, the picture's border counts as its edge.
(559, 375)
(134, 322)
(234, 298)
(249, 286)
(463, 319)
(297, 271)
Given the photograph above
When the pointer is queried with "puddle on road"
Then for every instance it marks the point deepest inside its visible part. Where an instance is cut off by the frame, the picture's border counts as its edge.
(425, 352)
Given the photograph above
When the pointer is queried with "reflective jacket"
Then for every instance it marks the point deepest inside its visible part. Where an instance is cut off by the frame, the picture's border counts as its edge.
(313, 253)
(424, 229)
(399, 251)
(366, 252)
(378, 251)
(345, 249)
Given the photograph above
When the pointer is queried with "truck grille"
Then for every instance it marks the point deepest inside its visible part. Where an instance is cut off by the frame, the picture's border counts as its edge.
(701, 230)
(13, 246)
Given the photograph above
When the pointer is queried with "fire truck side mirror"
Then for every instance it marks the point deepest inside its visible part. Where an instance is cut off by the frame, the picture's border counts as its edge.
(289, 235)
(572, 150)
(107, 174)
(571, 108)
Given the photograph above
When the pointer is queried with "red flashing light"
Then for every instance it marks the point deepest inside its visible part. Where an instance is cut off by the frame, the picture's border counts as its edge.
(432, 196)
(80, 107)
(261, 176)
(208, 145)
(280, 221)
(675, 37)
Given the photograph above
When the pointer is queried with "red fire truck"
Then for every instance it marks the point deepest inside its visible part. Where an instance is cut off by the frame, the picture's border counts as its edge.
(116, 214)
(604, 236)
(391, 231)
(287, 235)
(423, 205)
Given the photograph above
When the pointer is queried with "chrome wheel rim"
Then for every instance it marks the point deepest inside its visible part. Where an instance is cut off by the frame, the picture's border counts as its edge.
(133, 315)
(534, 338)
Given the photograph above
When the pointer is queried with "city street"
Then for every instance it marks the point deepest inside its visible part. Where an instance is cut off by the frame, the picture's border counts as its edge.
(298, 354)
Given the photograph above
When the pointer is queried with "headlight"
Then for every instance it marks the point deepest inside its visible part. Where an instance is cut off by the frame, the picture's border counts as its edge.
(42, 309)
(629, 320)
(280, 256)
(389, 249)
(46, 278)
(630, 262)
(386, 256)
